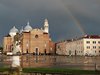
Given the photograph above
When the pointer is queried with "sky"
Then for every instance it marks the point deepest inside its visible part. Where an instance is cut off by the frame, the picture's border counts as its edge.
(67, 18)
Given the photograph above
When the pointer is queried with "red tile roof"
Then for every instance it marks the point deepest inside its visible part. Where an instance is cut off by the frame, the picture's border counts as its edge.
(92, 36)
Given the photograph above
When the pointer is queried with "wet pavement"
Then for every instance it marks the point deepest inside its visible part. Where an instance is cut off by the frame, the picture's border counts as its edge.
(76, 62)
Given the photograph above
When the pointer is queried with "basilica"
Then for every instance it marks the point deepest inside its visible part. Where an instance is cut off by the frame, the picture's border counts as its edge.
(35, 41)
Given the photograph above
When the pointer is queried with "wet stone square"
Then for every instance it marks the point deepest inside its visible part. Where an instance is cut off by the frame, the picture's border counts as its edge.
(34, 61)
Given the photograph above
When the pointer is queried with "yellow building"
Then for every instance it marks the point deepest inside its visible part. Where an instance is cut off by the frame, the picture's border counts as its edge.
(36, 41)
(88, 45)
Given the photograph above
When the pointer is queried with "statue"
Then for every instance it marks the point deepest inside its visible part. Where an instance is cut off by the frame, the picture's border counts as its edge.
(16, 48)
(16, 68)
(15, 57)
(16, 44)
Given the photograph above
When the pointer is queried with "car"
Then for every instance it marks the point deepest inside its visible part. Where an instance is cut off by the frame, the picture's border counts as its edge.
(9, 53)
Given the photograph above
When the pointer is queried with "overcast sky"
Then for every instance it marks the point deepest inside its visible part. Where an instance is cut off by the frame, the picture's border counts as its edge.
(67, 18)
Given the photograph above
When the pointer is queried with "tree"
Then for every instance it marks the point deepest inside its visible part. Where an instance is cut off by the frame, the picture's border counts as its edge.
(1, 49)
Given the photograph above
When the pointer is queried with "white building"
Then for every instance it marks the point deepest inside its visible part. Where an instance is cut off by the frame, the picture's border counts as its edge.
(87, 45)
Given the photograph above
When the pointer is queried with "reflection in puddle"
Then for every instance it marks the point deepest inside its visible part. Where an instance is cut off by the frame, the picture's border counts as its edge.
(53, 61)
(15, 61)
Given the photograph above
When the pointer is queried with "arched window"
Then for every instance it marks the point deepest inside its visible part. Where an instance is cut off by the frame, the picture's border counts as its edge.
(36, 36)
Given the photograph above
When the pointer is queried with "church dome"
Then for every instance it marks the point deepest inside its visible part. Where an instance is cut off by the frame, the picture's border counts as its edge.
(13, 30)
(27, 27)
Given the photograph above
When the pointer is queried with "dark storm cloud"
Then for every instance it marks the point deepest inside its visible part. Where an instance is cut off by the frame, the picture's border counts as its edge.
(58, 12)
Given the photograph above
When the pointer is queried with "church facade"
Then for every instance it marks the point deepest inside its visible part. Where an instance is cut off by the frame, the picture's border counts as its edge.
(36, 41)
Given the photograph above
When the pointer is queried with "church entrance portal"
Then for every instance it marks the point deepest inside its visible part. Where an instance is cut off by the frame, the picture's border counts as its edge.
(36, 51)
(45, 51)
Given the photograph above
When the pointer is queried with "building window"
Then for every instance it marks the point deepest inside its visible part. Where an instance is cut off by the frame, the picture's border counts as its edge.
(94, 47)
(99, 42)
(6, 47)
(36, 36)
(99, 47)
(58, 46)
(88, 47)
(94, 42)
(87, 42)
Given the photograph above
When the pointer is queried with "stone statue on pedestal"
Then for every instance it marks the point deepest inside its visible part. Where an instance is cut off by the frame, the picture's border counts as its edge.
(15, 57)
(15, 66)
(16, 48)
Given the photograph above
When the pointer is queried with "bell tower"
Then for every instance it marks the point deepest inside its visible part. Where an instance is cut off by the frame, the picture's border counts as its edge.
(46, 26)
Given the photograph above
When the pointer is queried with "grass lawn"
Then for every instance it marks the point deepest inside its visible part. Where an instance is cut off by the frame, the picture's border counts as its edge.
(59, 70)
(4, 69)
(54, 70)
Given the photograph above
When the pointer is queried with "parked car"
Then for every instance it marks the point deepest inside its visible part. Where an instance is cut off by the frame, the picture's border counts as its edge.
(9, 53)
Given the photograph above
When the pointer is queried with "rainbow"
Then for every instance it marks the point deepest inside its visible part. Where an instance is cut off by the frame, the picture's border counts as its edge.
(77, 23)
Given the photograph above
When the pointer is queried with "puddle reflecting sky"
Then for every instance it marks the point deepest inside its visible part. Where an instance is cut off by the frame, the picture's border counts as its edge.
(78, 62)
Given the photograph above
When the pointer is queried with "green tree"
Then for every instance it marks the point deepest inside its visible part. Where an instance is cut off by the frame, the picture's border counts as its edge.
(1, 49)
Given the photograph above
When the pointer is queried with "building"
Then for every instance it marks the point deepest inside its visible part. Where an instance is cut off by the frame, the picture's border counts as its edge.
(88, 45)
(61, 47)
(8, 40)
(36, 41)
